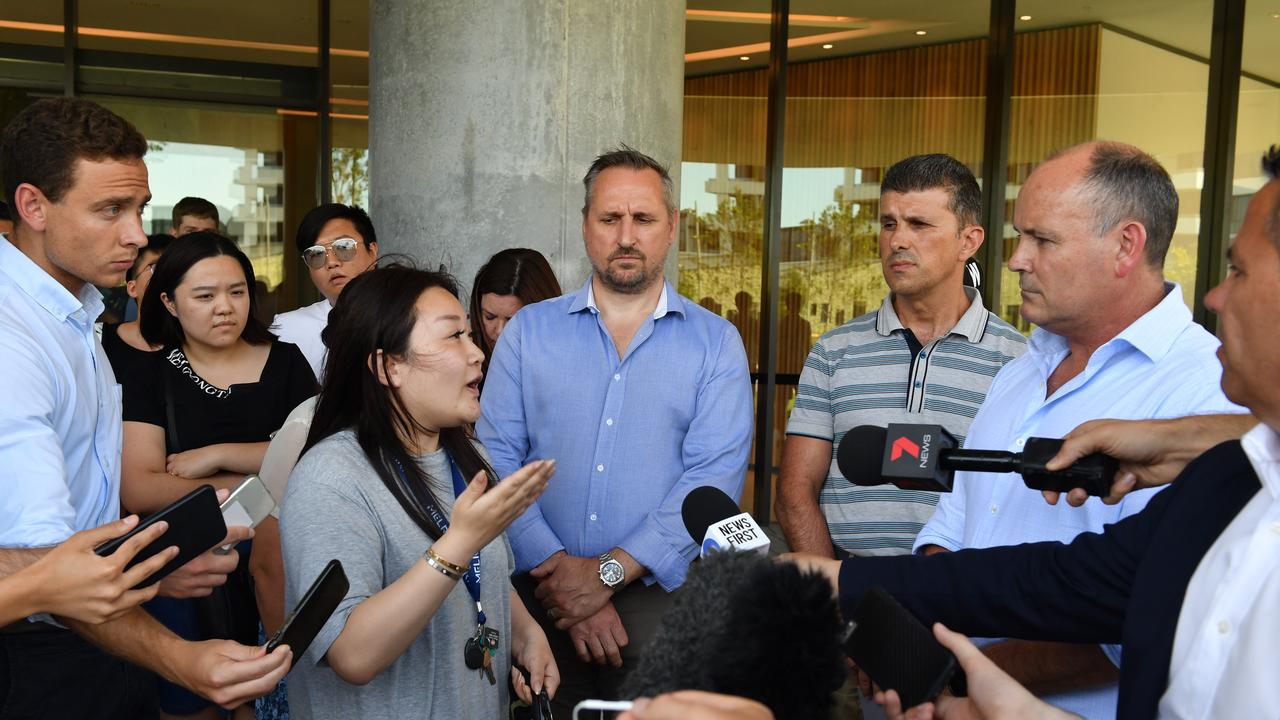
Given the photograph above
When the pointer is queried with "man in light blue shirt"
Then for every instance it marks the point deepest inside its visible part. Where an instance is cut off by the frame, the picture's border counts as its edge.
(76, 182)
(1114, 340)
(640, 395)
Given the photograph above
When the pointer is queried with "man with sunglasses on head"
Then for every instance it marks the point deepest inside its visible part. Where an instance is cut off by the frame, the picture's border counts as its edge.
(337, 243)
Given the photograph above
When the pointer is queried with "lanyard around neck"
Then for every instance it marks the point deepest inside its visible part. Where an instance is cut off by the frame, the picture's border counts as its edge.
(471, 578)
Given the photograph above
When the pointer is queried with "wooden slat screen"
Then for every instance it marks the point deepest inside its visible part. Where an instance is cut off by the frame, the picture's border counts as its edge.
(870, 110)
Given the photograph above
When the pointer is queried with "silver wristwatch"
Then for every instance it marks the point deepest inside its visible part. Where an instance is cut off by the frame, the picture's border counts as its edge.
(611, 572)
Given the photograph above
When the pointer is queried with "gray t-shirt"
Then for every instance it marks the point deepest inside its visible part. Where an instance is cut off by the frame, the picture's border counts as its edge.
(337, 507)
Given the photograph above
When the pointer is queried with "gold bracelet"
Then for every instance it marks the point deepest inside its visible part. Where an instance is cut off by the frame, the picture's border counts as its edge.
(446, 568)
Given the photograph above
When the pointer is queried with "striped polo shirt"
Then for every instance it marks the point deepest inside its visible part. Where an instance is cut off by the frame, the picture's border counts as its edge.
(864, 373)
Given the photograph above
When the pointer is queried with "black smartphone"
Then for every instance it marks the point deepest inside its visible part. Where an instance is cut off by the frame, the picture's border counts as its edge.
(897, 651)
(195, 526)
(312, 611)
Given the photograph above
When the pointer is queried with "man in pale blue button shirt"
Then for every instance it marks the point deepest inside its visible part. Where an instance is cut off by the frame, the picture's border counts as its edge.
(76, 183)
(640, 395)
(1114, 340)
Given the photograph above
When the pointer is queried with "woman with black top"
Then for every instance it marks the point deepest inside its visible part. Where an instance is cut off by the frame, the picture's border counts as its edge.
(123, 342)
(217, 389)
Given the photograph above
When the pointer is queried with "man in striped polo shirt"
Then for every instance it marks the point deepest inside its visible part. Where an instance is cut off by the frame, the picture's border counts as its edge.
(926, 356)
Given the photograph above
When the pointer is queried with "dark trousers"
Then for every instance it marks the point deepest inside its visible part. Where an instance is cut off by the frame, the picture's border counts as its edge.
(641, 608)
(57, 674)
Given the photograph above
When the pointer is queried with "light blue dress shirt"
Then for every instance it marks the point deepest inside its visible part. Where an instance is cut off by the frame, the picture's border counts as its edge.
(1161, 366)
(60, 427)
(631, 436)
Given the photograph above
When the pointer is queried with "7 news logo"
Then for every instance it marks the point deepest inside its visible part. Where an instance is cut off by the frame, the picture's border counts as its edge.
(904, 445)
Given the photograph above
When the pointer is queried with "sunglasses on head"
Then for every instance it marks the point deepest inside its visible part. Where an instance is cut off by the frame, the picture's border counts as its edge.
(344, 249)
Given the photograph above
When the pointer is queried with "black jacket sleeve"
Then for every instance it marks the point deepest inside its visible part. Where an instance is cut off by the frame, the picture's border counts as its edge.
(1037, 591)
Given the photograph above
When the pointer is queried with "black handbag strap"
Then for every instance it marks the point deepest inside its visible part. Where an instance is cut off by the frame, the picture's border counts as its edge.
(171, 417)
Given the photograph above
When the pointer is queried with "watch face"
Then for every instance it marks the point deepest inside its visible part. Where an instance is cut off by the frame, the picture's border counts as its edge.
(611, 572)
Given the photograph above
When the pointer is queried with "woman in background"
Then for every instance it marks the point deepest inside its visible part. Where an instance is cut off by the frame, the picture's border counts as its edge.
(123, 342)
(510, 280)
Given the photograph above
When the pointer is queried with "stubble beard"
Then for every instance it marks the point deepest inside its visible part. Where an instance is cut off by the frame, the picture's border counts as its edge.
(633, 282)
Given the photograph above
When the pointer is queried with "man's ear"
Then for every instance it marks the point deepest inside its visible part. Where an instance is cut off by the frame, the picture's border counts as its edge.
(385, 368)
(31, 205)
(971, 238)
(1131, 247)
(131, 288)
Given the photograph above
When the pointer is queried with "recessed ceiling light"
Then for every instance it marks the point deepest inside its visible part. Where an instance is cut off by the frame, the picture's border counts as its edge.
(1275, 15)
(1024, 18)
(827, 46)
(744, 57)
(922, 32)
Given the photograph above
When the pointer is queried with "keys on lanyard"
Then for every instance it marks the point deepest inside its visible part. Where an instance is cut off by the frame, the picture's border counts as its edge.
(479, 650)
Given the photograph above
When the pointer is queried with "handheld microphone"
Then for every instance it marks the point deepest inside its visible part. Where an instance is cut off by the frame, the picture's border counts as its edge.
(745, 625)
(715, 520)
(925, 457)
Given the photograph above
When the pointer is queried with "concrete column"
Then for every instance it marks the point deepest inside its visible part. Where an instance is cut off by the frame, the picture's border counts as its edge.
(485, 115)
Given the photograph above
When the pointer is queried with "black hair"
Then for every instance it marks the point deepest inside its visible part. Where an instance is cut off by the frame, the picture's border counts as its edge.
(157, 325)
(377, 311)
(316, 218)
(195, 207)
(631, 159)
(938, 171)
(156, 245)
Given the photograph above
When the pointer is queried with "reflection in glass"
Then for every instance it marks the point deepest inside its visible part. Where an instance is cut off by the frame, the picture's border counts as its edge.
(1258, 117)
(1114, 75)
(232, 157)
(31, 35)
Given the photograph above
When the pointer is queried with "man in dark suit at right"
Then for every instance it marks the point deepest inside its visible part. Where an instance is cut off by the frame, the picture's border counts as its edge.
(1189, 585)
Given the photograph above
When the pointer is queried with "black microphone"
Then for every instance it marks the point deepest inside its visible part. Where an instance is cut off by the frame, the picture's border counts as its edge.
(715, 522)
(925, 457)
(745, 625)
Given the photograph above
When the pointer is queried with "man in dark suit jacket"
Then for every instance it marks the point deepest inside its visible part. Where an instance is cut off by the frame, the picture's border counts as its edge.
(1129, 584)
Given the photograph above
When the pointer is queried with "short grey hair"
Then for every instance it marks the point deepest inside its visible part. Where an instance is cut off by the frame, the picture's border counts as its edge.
(631, 159)
(1125, 183)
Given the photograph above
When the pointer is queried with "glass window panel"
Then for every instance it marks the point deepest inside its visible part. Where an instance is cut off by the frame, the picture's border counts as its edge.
(722, 174)
(1258, 118)
(31, 48)
(237, 158)
(200, 47)
(349, 98)
(1127, 71)
(864, 91)
(853, 111)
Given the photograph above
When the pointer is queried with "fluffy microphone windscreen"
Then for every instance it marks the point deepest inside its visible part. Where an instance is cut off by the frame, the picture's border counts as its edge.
(860, 455)
(703, 506)
(746, 625)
